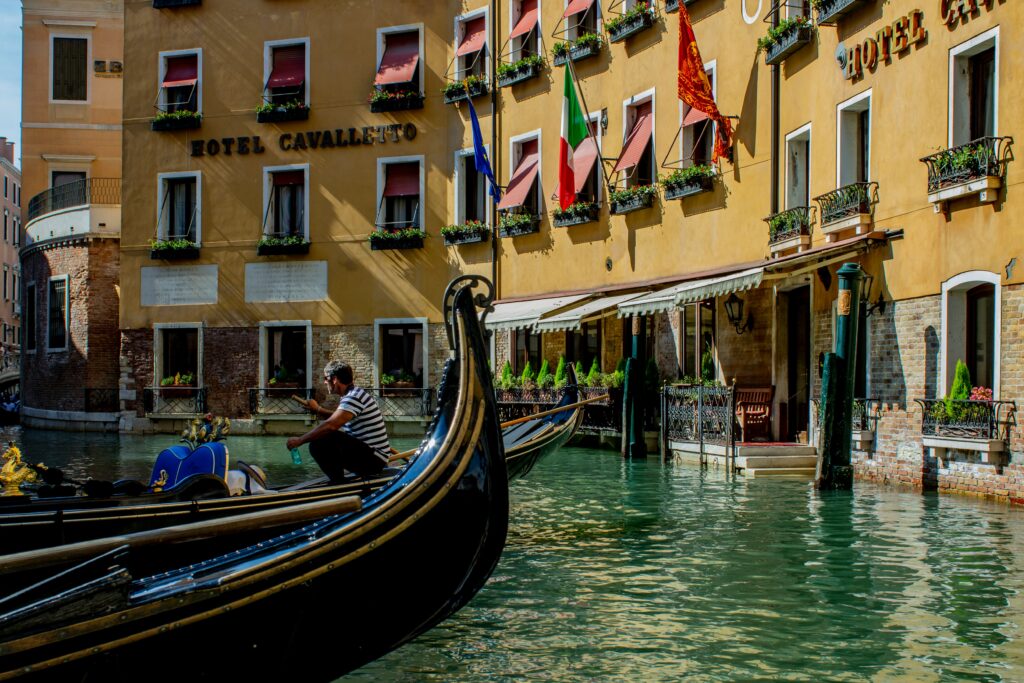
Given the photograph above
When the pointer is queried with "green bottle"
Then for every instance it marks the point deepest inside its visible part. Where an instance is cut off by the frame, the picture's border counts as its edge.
(296, 456)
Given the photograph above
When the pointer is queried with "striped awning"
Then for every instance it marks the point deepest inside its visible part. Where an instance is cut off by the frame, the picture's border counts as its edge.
(691, 292)
(574, 318)
(517, 315)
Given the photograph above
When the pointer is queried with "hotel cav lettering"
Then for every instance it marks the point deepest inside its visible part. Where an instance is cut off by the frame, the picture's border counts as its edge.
(888, 41)
(313, 139)
(954, 11)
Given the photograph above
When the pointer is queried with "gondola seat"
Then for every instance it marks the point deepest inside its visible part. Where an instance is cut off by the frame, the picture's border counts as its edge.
(178, 463)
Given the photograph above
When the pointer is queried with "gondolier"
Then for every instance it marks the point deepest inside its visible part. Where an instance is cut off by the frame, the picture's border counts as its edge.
(353, 437)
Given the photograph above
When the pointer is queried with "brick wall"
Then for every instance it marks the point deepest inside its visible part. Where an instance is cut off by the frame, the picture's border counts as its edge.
(552, 348)
(746, 357)
(230, 368)
(502, 349)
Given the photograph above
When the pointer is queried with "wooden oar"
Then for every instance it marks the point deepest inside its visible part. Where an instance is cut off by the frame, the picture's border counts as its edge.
(544, 413)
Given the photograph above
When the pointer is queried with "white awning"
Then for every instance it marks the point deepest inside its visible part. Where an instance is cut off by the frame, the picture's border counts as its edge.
(516, 315)
(574, 318)
(691, 292)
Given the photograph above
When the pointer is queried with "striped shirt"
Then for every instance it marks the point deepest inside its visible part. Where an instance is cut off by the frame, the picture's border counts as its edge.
(368, 423)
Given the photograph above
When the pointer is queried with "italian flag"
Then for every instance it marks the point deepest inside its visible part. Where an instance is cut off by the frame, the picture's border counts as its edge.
(574, 131)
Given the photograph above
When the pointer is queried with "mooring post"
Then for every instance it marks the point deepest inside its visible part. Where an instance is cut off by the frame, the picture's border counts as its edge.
(838, 380)
(633, 443)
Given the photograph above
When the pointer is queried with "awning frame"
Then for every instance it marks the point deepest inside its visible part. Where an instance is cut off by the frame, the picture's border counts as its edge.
(413, 82)
(161, 104)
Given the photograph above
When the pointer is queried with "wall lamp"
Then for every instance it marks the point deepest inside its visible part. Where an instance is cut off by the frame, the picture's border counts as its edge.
(604, 120)
(734, 311)
(865, 298)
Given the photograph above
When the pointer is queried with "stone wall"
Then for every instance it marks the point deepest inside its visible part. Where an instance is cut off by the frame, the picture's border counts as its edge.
(746, 357)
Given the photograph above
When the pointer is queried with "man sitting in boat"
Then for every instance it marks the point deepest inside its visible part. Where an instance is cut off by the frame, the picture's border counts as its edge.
(353, 437)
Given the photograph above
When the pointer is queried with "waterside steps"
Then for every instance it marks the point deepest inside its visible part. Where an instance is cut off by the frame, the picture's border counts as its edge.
(753, 459)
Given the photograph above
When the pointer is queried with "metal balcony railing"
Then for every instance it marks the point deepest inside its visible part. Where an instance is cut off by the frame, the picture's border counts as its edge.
(977, 159)
(847, 201)
(77, 193)
(863, 415)
(277, 400)
(397, 402)
(102, 400)
(174, 400)
(967, 419)
(789, 223)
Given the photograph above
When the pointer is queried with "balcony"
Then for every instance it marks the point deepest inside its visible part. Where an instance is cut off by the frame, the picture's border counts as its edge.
(785, 39)
(978, 426)
(863, 419)
(84, 207)
(789, 229)
(277, 401)
(829, 11)
(174, 402)
(975, 168)
(850, 207)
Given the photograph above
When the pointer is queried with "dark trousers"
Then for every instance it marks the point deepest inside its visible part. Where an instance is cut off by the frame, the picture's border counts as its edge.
(340, 451)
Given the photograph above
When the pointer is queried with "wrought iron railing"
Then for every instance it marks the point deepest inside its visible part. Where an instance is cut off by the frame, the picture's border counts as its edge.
(961, 164)
(174, 400)
(967, 419)
(847, 201)
(400, 402)
(77, 193)
(599, 417)
(102, 400)
(700, 414)
(863, 414)
(789, 223)
(277, 400)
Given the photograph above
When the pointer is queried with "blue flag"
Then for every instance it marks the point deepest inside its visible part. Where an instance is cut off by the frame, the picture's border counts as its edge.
(480, 160)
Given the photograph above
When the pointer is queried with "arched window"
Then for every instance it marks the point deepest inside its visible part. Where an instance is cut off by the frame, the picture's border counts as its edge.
(970, 329)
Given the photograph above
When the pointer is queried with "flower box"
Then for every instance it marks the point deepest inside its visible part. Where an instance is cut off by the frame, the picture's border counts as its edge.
(177, 123)
(830, 10)
(280, 249)
(631, 204)
(465, 238)
(475, 89)
(162, 4)
(174, 254)
(564, 219)
(688, 188)
(525, 228)
(397, 104)
(631, 26)
(177, 391)
(524, 72)
(577, 53)
(789, 42)
(280, 114)
(399, 243)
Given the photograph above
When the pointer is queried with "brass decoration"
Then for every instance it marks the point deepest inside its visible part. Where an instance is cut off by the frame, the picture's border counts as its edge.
(843, 304)
(14, 472)
(158, 485)
(206, 430)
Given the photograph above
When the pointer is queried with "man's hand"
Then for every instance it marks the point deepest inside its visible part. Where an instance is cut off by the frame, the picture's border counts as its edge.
(293, 442)
(313, 406)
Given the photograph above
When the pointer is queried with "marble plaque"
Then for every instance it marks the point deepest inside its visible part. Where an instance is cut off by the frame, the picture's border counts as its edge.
(179, 285)
(286, 282)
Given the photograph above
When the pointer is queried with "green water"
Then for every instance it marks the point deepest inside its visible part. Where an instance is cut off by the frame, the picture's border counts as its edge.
(640, 571)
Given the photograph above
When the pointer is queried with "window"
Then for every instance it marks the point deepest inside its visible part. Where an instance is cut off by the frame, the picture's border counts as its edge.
(854, 140)
(401, 352)
(59, 178)
(287, 71)
(523, 192)
(398, 59)
(635, 165)
(287, 357)
(974, 88)
(580, 18)
(980, 334)
(286, 201)
(971, 329)
(527, 345)
(798, 8)
(179, 82)
(6, 276)
(69, 60)
(180, 207)
(524, 40)
(6, 220)
(470, 189)
(57, 331)
(697, 340)
(471, 38)
(399, 206)
(179, 355)
(798, 168)
(699, 130)
(29, 317)
(584, 345)
(5, 187)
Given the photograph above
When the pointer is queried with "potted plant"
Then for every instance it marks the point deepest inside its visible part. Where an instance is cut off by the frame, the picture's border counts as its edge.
(406, 238)
(468, 232)
(683, 182)
(586, 45)
(471, 86)
(520, 70)
(270, 245)
(633, 21)
(632, 198)
(788, 224)
(173, 250)
(577, 213)
(179, 385)
(270, 112)
(513, 224)
(182, 119)
(383, 99)
(784, 39)
(402, 384)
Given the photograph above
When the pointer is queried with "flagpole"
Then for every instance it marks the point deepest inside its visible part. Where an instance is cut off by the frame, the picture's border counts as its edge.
(494, 151)
(583, 100)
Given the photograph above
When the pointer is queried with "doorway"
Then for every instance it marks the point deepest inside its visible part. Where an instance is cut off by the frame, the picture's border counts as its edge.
(794, 403)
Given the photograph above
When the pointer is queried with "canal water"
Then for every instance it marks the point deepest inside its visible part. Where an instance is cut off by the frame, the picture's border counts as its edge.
(639, 571)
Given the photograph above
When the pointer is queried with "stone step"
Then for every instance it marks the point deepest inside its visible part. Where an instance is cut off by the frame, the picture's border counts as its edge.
(788, 449)
(802, 472)
(768, 461)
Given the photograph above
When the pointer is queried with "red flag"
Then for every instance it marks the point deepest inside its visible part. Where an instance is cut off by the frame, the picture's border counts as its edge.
(694, 87)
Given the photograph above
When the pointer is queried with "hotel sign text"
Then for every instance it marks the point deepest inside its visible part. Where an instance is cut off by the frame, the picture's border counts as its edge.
(312, 139)
(888, 41)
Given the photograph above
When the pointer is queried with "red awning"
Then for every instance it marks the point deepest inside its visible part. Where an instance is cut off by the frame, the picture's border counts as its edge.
(638, 139)
(401, 55)
(289, 67)
(181, 71)
(527, 19)
(583, 160)
(522, 180)
(577, 6)
(473, 37)
(403, 180)
(289, 178)
(694, 116)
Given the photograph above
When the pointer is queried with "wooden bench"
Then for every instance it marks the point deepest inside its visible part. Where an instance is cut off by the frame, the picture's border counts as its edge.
(754, 411)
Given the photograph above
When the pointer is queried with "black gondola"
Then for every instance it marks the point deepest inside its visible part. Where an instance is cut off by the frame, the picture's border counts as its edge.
(530, 441)
(312, 603)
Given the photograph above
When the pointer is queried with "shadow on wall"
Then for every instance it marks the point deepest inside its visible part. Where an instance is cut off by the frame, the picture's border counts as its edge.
(931, 362)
